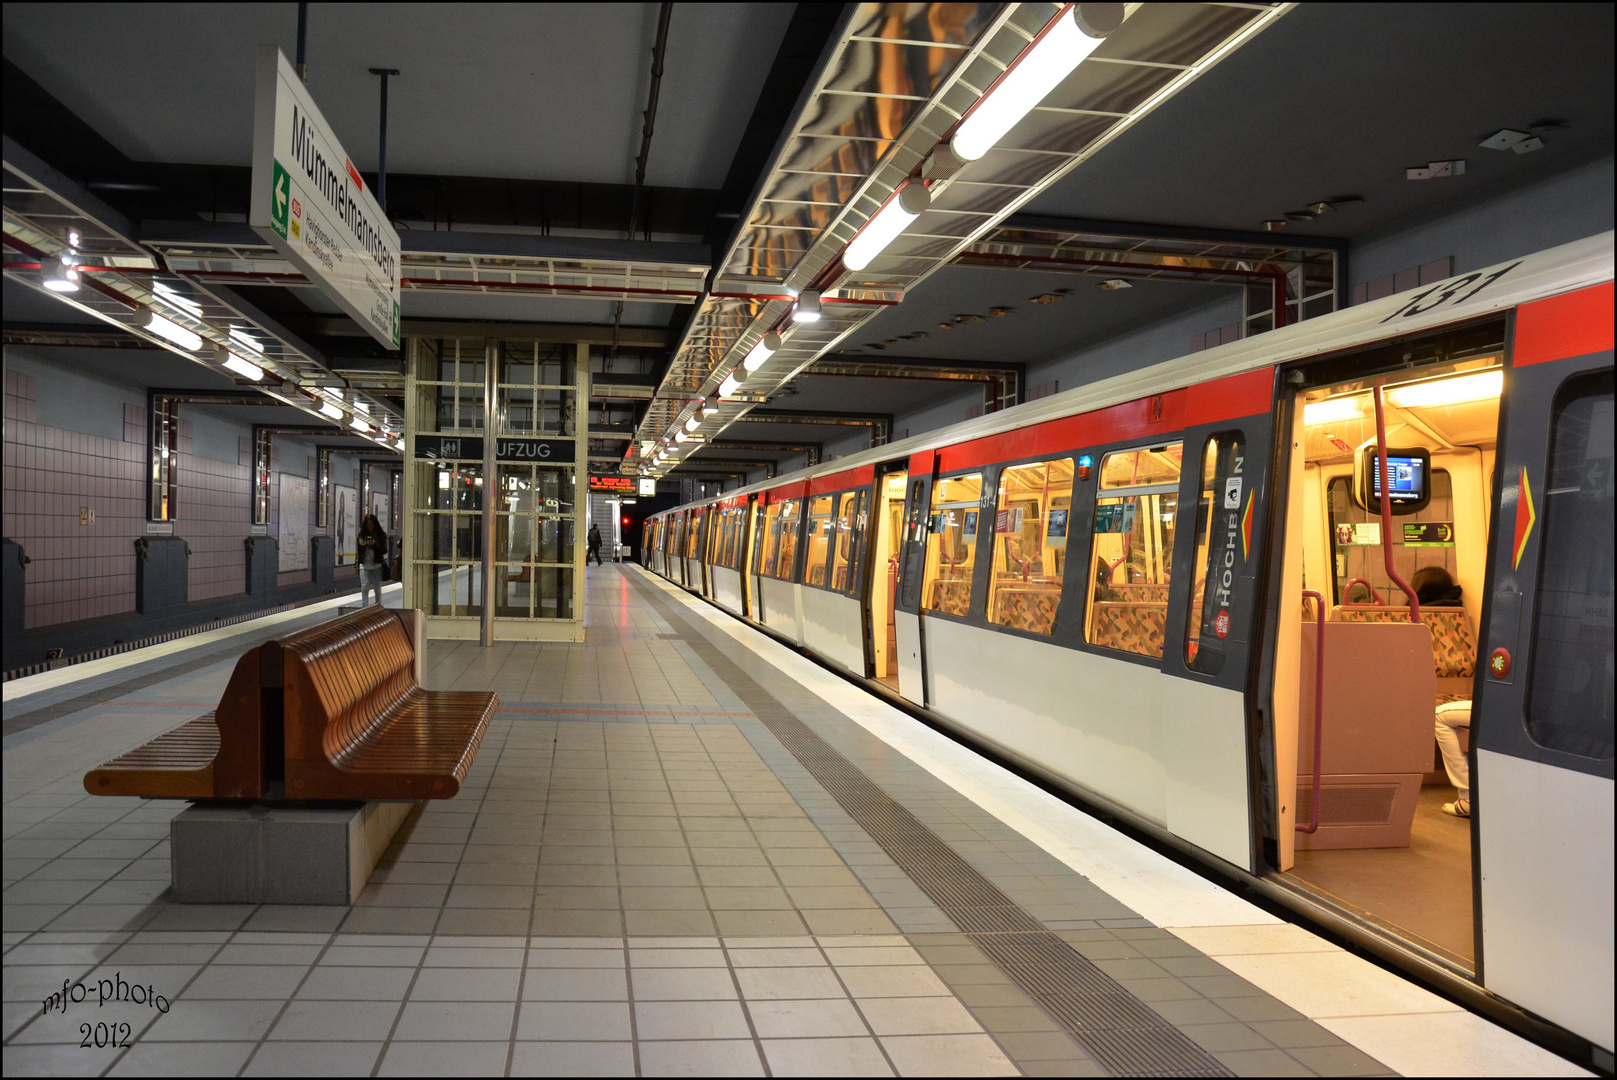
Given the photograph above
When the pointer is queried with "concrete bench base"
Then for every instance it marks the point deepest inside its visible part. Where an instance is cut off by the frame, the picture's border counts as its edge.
(280, 855)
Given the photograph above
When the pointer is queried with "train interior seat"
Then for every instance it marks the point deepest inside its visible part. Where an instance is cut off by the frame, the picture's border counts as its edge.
(1385, 849)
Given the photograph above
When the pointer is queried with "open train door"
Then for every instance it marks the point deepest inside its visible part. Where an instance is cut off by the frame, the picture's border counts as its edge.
(1542, 733)
(884, 533)
(912, 571)
(746, 542)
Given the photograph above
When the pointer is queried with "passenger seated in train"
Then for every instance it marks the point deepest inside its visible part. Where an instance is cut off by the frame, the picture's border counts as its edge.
(1435, 588)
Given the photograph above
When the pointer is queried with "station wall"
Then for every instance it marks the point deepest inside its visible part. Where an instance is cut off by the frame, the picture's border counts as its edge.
(77, 441)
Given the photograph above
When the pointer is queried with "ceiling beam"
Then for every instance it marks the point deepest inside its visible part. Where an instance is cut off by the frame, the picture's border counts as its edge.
(545, 333)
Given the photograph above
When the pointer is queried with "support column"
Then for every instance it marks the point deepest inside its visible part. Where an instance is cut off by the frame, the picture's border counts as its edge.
(491, 439)
(581, 473)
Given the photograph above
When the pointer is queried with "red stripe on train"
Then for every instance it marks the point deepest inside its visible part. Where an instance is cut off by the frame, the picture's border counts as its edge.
(1573, 324)
(849, 478)
(1166, 414)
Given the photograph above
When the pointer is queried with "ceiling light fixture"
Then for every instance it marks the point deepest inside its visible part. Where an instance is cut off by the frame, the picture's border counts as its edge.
(359, 425)
(73, 238)
(730, 385)
(174, 332)
(896, 215)
(58, 277)
(1061, 46)
(680, 436)
(328, 409)
(808, 305)
(1333, 410)
(243, 367)
(694, 422)
(767, 346)
(1482, 386)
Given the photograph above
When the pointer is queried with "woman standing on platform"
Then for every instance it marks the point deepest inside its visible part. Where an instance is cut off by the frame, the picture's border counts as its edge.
(372, 559)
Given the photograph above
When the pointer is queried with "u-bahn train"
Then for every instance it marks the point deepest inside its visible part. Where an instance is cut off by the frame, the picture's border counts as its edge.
(1185, 596)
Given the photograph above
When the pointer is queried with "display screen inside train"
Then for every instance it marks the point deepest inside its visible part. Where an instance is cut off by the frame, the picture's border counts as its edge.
(1410, 471)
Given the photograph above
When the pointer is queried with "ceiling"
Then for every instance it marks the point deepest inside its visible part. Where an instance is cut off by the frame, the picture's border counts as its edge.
(1028, 333)
(526, 91)
(1333, 100)
(1338, 99)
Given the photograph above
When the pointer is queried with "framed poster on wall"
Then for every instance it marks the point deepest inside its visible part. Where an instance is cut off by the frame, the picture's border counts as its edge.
(346, 514)
(293, 538)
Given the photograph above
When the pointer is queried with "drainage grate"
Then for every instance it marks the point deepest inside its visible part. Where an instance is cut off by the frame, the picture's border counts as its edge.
(1119, 1030)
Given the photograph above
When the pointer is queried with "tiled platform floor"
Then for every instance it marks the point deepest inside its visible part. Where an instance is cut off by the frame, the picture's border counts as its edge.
(636, 878)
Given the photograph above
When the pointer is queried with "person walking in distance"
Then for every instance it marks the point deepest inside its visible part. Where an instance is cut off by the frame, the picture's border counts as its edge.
(594, 540)
(372, 559)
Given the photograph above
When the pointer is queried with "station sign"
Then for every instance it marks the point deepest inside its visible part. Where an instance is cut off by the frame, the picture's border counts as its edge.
(470, 448)
(618, 485)
(309, 203)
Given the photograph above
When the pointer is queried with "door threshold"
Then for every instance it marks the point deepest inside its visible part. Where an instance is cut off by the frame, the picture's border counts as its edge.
(1368, 923)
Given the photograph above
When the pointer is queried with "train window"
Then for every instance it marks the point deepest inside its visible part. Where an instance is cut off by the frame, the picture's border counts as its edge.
(782, 540)
(734, 537)
(820, 525)
(769, 523)
(1355, 534)
(1030, 545)
(693, 539)
(1220, 550)
(1569, 697)
(951, 544)
(1133, 549)
(842, 547)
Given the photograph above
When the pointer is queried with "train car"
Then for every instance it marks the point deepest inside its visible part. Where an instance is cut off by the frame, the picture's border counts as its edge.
(1238, 599)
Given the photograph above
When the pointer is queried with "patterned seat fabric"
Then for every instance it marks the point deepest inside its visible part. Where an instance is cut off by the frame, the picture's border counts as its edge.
(1141, 593)
(1135, 628)
(951, 596)
(1032, 609)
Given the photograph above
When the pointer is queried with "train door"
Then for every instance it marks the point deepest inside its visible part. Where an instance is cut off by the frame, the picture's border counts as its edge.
(745, 540)
(907, 622)
(1376, 656)
(760, 522)
(886, 531)
(1542, 762)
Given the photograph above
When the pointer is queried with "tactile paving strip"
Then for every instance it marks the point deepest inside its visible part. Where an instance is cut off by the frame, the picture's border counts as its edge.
(1119, 1030)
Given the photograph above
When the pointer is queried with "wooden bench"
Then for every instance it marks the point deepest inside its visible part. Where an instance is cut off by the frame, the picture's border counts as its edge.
(334, 712)
(359, 726)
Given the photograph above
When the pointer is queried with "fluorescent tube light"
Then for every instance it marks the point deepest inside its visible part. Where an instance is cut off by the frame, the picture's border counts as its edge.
(359, 425)
(58, 277)
(680, 436)
(243, 367)
(1480, 386)
(1333, 410)
(1064, 45)
(767, 346)
(362, 407)
(694, 422)
(174, 332)
(881, 230)
(729, 386)
(328, 409)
